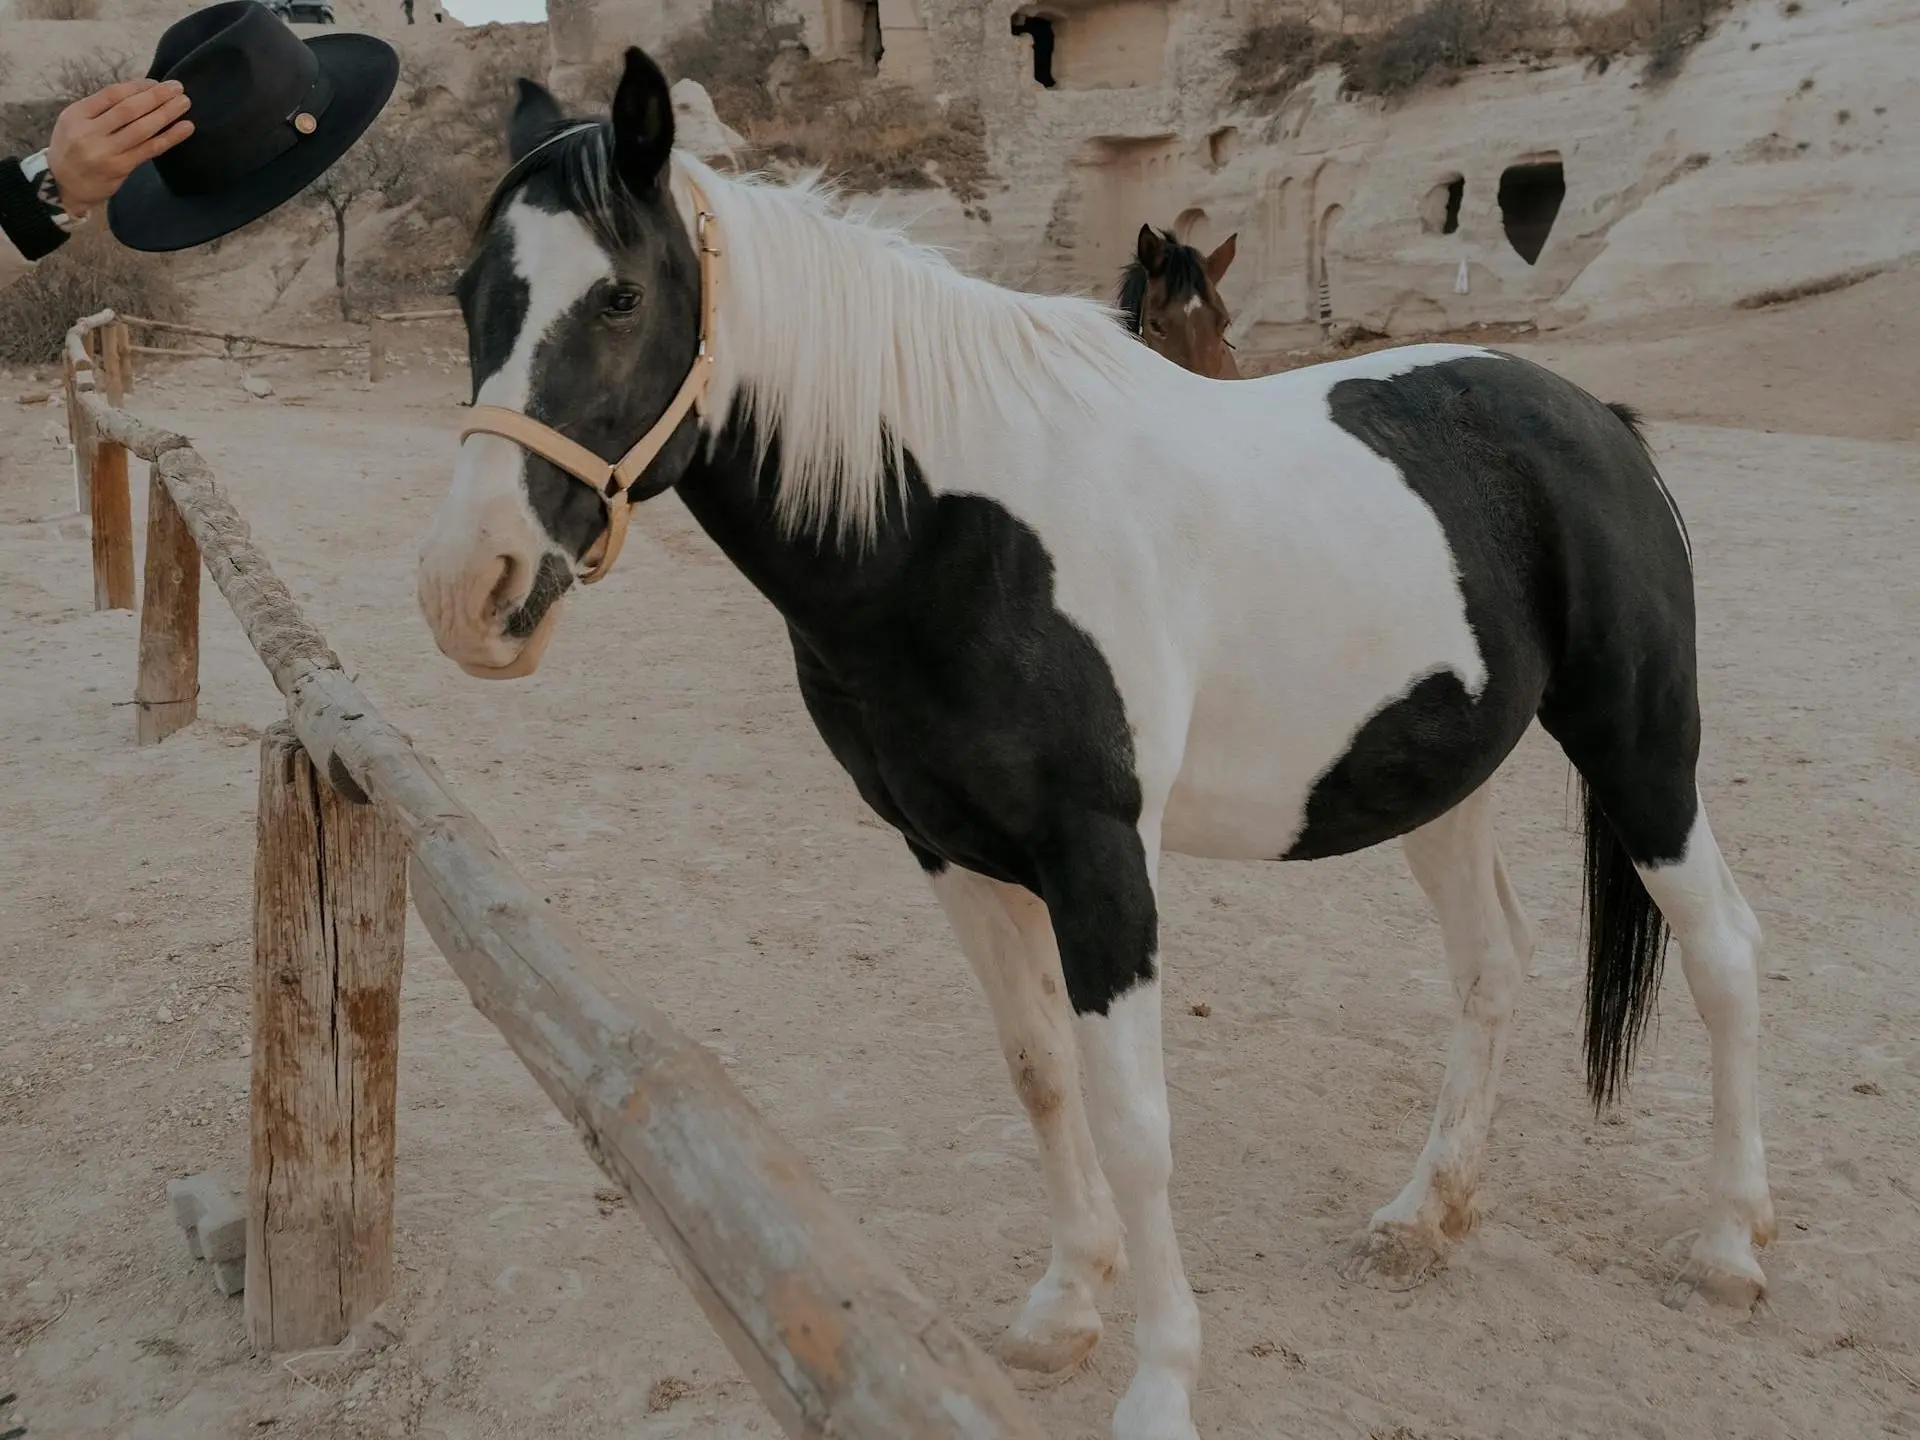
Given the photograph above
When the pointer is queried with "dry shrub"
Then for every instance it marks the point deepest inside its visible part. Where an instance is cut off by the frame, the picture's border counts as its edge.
(56, 9)
(1273, 59)
(1806, 289)
(1438, 42)
(26, 125)
(1665, 30)
(88, 273)
(82, 76)
(868, 136)
(732, 54)
(1425, 46)
(512, 51)
(798, 112)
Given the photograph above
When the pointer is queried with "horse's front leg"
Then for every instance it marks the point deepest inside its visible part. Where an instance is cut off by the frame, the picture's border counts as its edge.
(1099, 880)
(1008, 939)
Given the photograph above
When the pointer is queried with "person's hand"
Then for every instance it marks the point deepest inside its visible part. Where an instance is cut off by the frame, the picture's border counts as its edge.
(99, 141)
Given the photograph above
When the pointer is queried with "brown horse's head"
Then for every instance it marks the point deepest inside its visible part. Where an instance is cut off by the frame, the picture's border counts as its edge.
(1171, 297)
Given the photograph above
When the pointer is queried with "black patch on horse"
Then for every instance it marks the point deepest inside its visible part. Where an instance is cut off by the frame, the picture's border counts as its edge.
(1579, 594)
(973, 715)
(494, 313)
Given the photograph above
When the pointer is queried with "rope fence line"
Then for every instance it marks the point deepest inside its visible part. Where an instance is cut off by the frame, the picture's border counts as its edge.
(234, 346)
(353, 819)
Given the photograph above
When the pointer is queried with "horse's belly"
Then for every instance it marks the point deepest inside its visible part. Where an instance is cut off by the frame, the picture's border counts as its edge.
(1402, 763)
(1352, 727)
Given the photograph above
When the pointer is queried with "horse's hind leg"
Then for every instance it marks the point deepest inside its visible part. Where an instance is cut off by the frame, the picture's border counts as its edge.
(1719, 953)
(1488, 942)
(1008, 938)
(1651, 857)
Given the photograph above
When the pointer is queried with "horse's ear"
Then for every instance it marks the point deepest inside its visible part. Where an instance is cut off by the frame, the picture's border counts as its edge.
(1221, 258)
(1150, 250)
(536, 115)
(642, 123)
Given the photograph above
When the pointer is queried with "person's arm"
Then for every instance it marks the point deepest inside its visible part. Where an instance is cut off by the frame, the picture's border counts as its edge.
(97, 142)
(27, 229)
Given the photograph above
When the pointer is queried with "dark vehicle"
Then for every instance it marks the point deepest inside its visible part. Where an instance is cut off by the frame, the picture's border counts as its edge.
(302, 12)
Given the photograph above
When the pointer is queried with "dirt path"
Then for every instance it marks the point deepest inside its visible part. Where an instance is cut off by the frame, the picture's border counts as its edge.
(661, 780)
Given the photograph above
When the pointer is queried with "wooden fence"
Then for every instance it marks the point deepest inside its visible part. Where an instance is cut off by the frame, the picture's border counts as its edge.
(351, 820)
(235, 346)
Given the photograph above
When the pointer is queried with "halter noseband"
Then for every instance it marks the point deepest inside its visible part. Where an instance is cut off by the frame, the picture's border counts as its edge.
(613, 482)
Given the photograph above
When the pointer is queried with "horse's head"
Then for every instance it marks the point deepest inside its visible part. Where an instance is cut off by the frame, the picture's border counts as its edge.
(583, 306)
(1171, 297)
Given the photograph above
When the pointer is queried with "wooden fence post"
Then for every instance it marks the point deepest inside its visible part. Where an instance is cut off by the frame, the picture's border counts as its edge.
(329, 923)
(377, 351)
(123, 356)
(112, 528)
(113, 362)
(80, 437)
(167, 693)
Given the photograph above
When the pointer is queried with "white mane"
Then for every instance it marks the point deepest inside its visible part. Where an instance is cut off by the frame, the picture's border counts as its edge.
(838, 333)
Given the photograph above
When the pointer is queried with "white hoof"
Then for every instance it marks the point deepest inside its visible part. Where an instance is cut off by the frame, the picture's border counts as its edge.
(1155, 1407)
(1721, 1268)
(1057, 1330)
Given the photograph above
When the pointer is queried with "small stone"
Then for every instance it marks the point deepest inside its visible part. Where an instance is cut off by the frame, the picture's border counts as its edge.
(1201, 1008)
(215, 1222)
(1778, 975)
(230, 1276)
(256, 387)
(1867, 1087)
(222, 1232)
(163, 1015)
(33, 397)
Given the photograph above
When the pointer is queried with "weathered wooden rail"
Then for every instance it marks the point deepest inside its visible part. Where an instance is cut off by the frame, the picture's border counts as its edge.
(235, 346)
(834, 1337)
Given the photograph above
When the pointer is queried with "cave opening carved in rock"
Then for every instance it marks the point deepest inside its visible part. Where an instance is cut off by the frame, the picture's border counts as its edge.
(1530, 196)
(1097, 44)
(1440, 211)
(1038, 29)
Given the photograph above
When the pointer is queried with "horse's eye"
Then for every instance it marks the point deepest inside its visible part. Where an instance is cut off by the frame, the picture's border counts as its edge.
(623, 301)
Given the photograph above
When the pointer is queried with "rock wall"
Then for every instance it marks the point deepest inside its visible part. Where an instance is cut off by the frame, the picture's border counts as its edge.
(1786, 150)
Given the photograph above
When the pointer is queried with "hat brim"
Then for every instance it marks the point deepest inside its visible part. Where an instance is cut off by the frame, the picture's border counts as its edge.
(145, 215)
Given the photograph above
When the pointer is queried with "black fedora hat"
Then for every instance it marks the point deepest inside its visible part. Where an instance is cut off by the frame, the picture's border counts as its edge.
(270, 113)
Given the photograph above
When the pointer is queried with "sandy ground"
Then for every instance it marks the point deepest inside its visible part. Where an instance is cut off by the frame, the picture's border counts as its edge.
(662, 783)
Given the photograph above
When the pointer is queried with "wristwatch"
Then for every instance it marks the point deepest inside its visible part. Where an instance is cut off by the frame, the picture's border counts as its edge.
(46, 190)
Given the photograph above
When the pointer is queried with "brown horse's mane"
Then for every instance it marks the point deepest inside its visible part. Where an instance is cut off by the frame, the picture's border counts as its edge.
(1185, 273)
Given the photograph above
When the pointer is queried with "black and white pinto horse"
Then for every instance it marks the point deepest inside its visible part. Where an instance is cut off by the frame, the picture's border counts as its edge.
(1058, 607)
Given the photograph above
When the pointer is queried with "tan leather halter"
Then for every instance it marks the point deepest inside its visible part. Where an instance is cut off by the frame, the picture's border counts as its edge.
(611, 482)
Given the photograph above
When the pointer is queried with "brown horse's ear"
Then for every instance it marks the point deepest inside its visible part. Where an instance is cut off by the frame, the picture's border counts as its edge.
(1221, 258)
(1150, 250)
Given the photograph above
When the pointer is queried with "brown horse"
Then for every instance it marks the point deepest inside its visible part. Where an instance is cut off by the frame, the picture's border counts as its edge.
(1171, 297)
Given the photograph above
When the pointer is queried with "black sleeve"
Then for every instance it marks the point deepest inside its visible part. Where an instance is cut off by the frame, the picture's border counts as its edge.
(23, 217)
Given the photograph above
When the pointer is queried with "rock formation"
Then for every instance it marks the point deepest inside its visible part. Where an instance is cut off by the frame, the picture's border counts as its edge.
(1785, 151)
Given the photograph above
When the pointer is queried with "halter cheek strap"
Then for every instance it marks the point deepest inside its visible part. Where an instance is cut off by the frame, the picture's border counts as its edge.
(613, 481)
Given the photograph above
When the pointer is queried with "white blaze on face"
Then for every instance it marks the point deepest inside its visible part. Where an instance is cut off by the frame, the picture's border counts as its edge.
(485, 544)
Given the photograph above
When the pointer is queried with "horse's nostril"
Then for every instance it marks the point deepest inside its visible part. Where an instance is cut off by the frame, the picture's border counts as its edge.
(502, 597)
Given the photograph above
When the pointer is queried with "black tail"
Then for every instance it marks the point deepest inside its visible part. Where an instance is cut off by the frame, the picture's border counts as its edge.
(1626, 946)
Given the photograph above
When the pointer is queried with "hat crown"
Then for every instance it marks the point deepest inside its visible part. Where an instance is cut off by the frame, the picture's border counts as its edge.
(248, 76)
